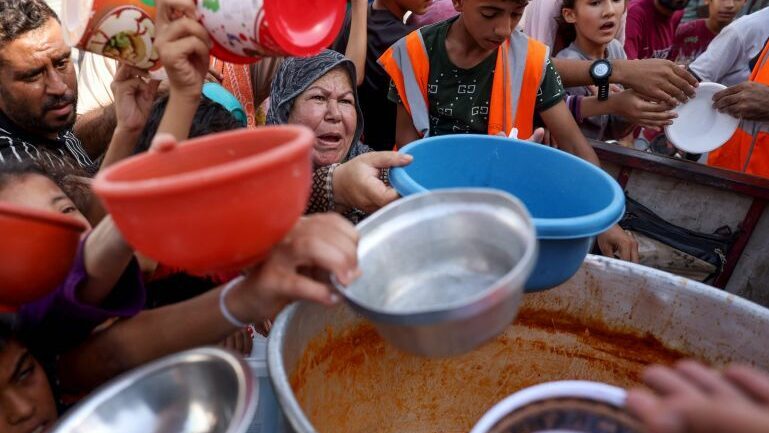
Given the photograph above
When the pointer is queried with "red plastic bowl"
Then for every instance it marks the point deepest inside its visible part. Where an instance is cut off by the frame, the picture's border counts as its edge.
(215, 203)
(37, 251)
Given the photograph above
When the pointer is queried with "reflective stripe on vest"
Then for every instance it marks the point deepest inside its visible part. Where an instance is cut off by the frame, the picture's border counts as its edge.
(513, 94)
(748, 149)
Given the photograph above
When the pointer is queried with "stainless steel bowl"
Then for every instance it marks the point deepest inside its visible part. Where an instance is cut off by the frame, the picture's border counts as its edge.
(443, 272)
(205, 390)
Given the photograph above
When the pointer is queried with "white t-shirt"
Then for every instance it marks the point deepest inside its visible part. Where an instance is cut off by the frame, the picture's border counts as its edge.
(727, 59)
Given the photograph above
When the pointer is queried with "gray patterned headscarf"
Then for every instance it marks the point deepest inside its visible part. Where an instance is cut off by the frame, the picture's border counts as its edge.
(297, 74)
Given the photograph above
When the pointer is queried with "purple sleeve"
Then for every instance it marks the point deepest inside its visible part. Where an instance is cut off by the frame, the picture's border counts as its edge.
(60, 321)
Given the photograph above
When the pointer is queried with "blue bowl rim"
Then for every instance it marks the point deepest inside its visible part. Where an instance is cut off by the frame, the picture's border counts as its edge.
(547, 228)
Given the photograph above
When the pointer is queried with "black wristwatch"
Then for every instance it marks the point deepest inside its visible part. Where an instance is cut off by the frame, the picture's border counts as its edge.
(600, 71)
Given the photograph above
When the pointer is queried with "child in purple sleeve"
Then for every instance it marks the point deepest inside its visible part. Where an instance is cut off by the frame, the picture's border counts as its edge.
(104, 281)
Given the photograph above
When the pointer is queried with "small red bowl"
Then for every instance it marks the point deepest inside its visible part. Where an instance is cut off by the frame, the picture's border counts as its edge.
(215, 203)
(37, 251)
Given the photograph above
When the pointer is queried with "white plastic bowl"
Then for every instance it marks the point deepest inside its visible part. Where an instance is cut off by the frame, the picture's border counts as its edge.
(699, 127)
(571, 406)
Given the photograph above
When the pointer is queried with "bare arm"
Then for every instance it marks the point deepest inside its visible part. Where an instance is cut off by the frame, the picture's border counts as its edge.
(134, 95)
(631, 107)
(106, 257)
(126, 345)
(405, 132)
(656, 79)
(326, 242)
(358, 40)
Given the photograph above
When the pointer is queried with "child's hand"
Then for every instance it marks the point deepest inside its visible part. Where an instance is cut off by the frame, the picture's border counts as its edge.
(183, 45)
(134, 95)
(632, 107)
(321, 242)
(615, 242)
(692, 398)
(239, 342)
(357, 183)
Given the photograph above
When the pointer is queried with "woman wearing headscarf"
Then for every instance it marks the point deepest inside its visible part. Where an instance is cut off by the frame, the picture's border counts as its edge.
(318, 92)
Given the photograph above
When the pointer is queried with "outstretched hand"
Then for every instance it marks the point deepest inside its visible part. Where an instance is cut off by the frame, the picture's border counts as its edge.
(357, 182)
(657, 80)
(692, 398)
(320, 244)
(630, 105)
(617, 243)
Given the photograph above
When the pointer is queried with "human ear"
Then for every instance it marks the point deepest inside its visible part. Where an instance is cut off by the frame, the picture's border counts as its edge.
(568, 15)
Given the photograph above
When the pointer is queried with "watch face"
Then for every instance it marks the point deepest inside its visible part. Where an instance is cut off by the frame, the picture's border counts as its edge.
(600, 69)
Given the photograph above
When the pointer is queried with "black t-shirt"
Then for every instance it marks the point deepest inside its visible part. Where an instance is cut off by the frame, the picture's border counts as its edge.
(384, 29)
(459, 98)
(66, 152)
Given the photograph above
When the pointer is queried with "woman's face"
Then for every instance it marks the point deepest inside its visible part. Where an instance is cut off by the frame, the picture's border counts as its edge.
(328, 108)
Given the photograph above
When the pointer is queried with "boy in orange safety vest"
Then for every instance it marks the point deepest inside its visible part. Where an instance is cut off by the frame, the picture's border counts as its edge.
(476, 73)
(748, 149)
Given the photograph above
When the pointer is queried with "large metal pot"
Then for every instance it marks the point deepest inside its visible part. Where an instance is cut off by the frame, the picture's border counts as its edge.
(333, 373)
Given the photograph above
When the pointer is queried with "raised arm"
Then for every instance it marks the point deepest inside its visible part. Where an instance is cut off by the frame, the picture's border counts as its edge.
(655, 79)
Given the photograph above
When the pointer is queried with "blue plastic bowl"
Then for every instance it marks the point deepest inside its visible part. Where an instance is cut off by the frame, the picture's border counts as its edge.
(571, 200)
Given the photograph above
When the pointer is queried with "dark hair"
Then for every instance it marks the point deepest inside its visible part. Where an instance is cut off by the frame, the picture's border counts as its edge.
(210, 117)
(7, 329)
(21, 16)
(566, 33)
(12, 171)
(78, 193)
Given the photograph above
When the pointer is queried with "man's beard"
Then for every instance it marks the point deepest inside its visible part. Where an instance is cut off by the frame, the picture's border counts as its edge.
(24, 117)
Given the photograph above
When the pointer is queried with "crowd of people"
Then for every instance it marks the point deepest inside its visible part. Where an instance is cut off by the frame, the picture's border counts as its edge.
(558, 72)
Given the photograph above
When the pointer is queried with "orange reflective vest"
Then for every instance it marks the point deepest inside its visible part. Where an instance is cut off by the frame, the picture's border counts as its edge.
(520, 60)
(748, 149)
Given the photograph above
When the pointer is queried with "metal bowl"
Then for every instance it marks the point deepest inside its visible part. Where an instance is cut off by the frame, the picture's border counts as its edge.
(205, 390)
(444, 271)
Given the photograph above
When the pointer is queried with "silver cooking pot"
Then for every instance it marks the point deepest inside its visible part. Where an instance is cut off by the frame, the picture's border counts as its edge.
(362, 385)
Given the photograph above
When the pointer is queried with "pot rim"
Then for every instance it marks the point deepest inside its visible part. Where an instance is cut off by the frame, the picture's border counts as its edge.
(242, 414)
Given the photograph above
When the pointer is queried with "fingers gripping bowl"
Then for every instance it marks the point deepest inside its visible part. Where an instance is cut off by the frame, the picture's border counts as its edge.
(443, 272)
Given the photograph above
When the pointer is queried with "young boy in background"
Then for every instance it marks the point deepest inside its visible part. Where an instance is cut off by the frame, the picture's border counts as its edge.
(384, 26)
(693, 38)
(477, 74)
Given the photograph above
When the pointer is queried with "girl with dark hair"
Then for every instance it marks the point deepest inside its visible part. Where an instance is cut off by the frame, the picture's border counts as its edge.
(104, 281)
(589, 28)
